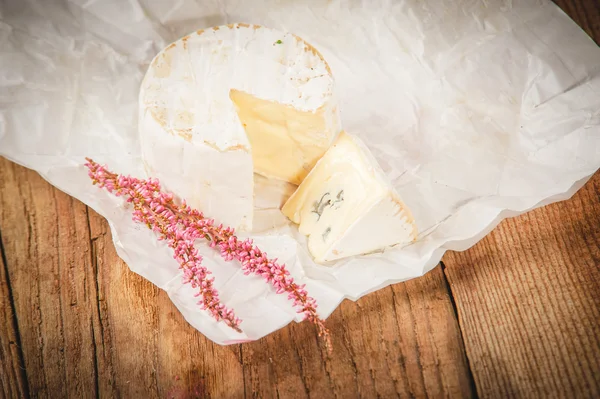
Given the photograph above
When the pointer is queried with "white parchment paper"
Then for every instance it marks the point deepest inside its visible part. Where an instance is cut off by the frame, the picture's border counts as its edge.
(477, 110)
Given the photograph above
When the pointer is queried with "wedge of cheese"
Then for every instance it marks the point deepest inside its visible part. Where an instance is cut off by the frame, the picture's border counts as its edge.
(347, 207)
(222, 103)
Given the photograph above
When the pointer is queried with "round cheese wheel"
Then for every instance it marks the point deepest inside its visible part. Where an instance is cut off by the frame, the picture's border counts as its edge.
(222, 103)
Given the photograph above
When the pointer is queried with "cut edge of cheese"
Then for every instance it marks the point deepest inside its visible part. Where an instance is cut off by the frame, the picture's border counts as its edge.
(382, 216)
(372, 215)
(286, 143)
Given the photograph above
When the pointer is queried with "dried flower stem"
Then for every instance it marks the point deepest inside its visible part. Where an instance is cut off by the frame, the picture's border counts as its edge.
(180, 226)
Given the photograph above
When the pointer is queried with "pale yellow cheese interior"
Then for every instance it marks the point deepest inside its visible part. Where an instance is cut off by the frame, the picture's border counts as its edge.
(286, 142)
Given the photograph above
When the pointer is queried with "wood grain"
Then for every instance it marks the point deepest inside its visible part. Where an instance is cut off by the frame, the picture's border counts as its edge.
(13, 379)
(528, 294)
(402, 341)
(528, 301)
(586, 13)
(127, 339)
(145, 347)
(46, 246)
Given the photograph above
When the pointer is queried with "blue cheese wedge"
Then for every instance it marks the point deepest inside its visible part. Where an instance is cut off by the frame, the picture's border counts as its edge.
(347, 207)
(225, 102)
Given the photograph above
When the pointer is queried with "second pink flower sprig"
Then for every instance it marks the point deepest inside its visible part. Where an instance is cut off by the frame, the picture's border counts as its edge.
(180, 226)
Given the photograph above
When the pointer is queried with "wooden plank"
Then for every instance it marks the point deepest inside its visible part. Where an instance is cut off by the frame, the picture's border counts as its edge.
(288, 363)
(46, 243)
(145, 346)
(402, 341)
(527, 294)
(13, 379)
(126, 333)
(528, 305)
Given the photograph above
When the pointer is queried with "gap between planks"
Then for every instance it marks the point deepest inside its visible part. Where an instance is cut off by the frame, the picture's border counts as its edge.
(460, 329)
(94, 265)
(21, 373)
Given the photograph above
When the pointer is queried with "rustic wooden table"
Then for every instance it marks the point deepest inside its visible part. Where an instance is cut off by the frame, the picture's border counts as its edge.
(516, 315)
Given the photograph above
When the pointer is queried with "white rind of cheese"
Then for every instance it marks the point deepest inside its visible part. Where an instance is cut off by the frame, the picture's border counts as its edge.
(346, 206)
(222, 103)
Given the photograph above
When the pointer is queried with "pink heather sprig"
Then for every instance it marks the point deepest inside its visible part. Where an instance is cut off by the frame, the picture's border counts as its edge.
(180, 226)
(147, 201)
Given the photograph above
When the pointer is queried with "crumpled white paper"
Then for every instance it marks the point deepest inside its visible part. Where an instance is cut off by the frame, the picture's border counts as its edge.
(476, 110)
